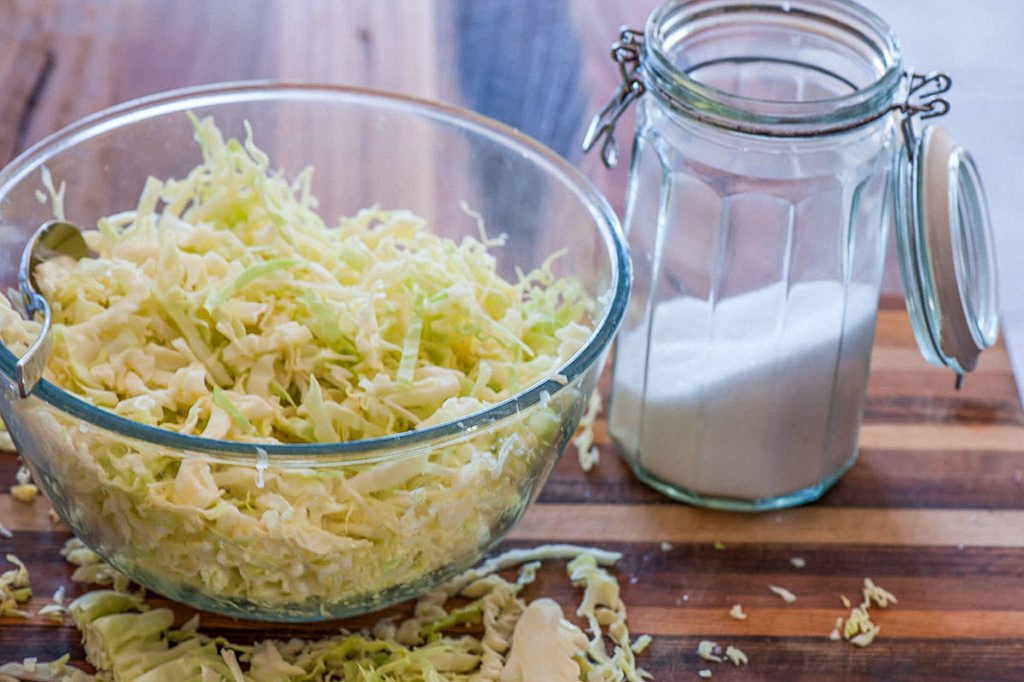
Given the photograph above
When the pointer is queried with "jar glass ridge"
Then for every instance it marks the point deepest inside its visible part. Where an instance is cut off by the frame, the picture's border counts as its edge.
(757, 212)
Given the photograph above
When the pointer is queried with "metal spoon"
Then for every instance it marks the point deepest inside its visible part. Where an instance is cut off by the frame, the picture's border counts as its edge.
(53, 238)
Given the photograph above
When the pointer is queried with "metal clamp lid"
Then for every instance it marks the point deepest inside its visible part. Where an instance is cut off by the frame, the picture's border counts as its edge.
(946, 253)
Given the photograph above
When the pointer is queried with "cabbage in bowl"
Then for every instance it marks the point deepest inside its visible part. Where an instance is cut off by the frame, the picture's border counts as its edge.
(224, 307)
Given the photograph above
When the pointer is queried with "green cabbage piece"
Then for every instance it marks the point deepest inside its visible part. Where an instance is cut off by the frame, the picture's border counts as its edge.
(224, 306)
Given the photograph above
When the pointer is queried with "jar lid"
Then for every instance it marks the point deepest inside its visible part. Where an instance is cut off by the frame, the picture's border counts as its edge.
(946, 252)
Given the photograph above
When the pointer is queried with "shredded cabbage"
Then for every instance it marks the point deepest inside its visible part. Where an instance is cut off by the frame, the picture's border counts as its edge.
(235, 312)
(509, 639)
(14, 589)
(223, 306)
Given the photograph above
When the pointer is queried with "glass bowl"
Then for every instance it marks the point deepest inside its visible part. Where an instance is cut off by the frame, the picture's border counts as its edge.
(107, 476)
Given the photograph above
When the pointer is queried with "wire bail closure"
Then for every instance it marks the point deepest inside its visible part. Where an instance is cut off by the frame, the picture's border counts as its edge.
(626, 53)
(924, 100)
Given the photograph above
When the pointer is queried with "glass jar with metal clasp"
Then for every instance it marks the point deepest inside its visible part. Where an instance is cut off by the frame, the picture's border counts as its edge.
(774, 140)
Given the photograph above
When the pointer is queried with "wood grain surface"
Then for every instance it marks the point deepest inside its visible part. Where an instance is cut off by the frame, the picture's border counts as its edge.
(933, 510)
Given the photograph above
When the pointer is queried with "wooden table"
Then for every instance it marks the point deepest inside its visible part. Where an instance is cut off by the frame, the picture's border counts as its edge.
(933, 511)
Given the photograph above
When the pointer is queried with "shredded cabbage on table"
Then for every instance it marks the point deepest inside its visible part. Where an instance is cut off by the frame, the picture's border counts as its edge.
(494, 635)
(224, 306)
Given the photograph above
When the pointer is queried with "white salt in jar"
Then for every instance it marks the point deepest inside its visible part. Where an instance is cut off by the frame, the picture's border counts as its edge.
(773, 140)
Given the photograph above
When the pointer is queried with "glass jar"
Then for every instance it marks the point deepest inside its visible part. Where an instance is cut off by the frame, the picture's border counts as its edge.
(772, 141)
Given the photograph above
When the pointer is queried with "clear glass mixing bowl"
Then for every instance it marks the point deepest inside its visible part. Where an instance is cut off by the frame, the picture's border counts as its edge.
(367, 149)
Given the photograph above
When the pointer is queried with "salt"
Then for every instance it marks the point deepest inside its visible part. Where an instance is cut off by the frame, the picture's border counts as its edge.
(758, 396)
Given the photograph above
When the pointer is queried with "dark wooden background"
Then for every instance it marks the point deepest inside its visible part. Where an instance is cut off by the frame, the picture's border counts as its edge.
(933, 511)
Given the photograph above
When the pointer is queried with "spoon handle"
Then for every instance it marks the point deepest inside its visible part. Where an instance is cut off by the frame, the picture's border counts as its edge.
(53, 238)
(29, 369)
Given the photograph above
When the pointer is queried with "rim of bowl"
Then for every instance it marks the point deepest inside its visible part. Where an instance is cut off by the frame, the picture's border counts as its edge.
(370, 449)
